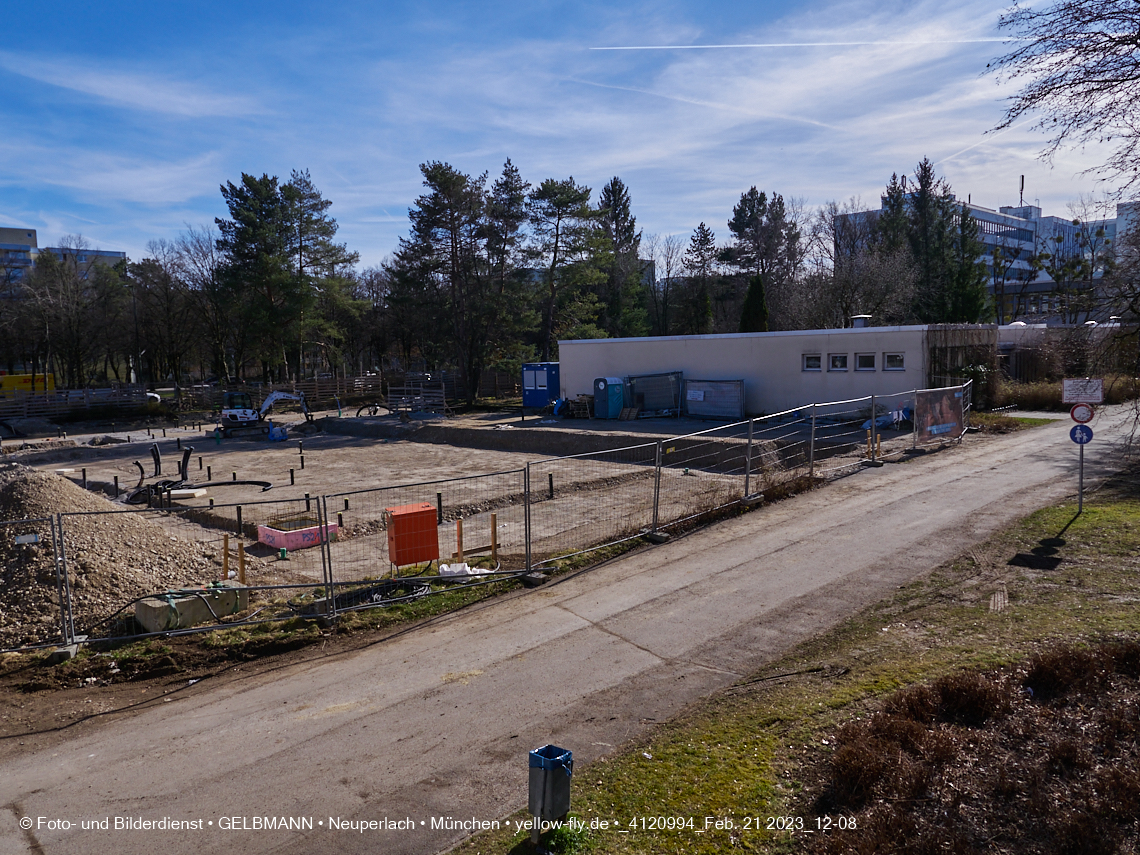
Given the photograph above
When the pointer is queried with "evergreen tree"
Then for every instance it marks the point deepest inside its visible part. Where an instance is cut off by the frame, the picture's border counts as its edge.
(766, 248)
(265, 295)
(564, 226)
(700, 263)
(754, 313)
(623, 294)
(969, 301)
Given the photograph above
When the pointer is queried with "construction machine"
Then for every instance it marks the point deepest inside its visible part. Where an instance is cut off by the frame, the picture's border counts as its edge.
(239, 418)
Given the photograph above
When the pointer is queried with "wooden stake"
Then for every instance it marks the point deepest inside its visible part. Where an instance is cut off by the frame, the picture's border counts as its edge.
(225, 556)
(459, 540)
(494, 537)
(241, 562)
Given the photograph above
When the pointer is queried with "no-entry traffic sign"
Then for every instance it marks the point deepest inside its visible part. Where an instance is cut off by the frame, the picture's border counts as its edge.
(1082, 413)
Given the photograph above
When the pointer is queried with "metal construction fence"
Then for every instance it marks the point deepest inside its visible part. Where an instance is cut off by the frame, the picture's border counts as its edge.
(77, 576)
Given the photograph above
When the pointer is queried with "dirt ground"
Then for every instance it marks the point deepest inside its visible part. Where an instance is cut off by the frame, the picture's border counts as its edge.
(592, 502)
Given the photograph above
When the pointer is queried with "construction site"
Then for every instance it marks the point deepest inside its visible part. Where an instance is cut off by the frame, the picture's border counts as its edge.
(194, 527)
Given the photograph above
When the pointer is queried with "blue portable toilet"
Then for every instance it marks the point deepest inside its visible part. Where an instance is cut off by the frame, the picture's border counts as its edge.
(540, 383)
(608, 396)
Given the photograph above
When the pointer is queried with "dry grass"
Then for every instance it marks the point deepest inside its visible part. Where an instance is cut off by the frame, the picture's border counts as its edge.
(1046, 395)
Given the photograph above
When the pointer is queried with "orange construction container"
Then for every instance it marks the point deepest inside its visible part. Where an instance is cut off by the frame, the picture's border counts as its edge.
(413, 535)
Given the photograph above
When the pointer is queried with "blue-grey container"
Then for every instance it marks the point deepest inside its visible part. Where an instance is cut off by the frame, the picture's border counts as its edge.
(540, 383)
(551, 768)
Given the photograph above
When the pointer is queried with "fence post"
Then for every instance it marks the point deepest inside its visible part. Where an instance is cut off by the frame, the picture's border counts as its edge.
(811, 446)
(65, 585)
(526, 514)
(656, 486)
(914, 422)
(748, 461)
(874, 430)
(58, 580)
(326, 557)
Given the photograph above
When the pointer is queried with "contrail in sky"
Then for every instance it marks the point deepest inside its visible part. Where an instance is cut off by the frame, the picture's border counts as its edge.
(807, 44)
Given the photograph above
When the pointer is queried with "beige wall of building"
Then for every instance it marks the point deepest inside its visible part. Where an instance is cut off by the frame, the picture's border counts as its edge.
(21, 237)
(778, 368)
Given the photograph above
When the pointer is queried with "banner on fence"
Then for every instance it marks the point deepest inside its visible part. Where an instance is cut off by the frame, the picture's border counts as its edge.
(938, 414)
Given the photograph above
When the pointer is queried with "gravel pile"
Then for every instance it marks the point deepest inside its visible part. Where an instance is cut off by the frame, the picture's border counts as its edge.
(111, 558)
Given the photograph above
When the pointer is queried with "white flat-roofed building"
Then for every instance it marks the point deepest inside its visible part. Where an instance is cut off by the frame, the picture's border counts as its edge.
(784, 370)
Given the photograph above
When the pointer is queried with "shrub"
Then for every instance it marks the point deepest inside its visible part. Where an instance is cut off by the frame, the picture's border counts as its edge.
(970, 698)
(1054, 673)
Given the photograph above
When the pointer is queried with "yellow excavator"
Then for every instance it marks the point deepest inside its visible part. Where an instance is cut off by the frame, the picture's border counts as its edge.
(239, 418)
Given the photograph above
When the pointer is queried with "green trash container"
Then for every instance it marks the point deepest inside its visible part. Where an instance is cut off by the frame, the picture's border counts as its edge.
(551, 768)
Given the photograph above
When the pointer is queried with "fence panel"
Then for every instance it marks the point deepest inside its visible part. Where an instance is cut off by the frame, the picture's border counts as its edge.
(33, 599)
(489, 509)
(584, 501)
(168, 555)
(894, 424)
(703, 471)
(839, 438)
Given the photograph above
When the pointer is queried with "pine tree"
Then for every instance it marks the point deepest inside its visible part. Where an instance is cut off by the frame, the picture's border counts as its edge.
(754, 313)
(623, 295)
(700, 262)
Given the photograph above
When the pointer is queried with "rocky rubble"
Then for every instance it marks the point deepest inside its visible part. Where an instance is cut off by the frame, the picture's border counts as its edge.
(112, 556)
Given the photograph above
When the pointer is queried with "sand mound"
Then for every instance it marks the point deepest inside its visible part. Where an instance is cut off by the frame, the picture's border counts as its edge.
(111, 557)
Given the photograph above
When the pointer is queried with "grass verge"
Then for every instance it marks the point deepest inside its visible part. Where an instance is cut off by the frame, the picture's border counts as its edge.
(748, 769)
(1003, 422)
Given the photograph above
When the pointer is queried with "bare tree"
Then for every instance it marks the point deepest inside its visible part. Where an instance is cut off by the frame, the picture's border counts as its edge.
(1080, 64)
(854, 272)
(668, 253)
(200, 265)
(73, 301)
(167, 315)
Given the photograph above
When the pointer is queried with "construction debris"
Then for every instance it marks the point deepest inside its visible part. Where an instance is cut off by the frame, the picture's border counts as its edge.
(111, 557)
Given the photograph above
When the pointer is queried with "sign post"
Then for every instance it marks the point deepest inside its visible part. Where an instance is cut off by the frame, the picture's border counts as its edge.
(1083, 392)
(1081, 435)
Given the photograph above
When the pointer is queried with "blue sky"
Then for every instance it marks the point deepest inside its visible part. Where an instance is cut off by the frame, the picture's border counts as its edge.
(122, 119)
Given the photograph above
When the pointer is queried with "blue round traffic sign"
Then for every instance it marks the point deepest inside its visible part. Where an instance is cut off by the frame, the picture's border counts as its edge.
(1081, 434)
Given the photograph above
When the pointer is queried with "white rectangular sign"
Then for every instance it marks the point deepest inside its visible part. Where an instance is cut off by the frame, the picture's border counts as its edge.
(695, 394)
(1082, 390)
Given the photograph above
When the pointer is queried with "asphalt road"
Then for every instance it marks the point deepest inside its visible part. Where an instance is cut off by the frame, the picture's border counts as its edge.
(437, 721)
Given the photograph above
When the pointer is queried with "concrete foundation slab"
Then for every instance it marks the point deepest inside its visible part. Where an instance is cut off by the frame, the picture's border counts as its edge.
(186, 608)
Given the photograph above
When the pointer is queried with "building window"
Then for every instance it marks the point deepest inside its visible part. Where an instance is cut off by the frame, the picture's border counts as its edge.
(813, 362)
(837, 362)
(864, 362)
(893, 362)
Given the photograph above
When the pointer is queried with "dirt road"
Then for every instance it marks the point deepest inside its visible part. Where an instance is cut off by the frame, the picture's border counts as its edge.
(436, 722)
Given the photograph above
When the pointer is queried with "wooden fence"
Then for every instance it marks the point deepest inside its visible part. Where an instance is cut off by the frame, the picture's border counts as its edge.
(47, 405)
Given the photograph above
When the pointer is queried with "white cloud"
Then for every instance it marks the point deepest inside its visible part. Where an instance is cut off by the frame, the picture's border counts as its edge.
(136, 90)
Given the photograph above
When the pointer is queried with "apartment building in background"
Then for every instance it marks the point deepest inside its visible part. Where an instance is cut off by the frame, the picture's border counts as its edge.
(19, 249)
(1016, 240)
